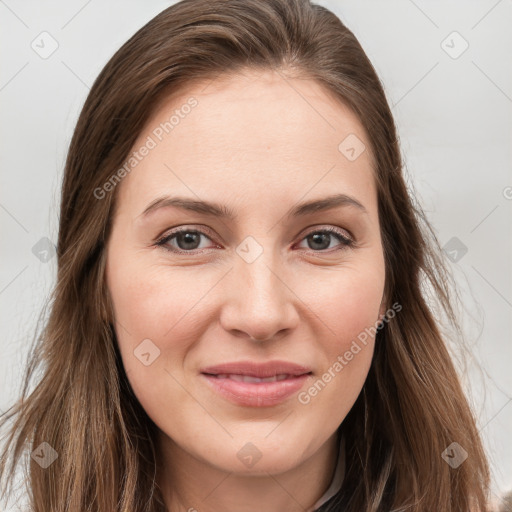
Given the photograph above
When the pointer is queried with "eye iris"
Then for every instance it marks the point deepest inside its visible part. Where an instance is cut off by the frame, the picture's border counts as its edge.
(189, 237)
(317, 239)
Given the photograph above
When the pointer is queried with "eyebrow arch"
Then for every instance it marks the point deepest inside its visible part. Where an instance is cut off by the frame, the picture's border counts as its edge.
(222, 211)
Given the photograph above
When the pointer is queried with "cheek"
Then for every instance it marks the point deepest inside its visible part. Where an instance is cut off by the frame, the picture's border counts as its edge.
(355, 313)
(348, 302)
(160, 304)
(154, 300)
(154, 331)
(348, 308)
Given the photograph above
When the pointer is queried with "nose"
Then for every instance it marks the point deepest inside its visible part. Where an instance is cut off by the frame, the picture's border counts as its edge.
(259, 301)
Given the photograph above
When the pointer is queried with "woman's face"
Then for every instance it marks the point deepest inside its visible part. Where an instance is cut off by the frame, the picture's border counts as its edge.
(256, 279)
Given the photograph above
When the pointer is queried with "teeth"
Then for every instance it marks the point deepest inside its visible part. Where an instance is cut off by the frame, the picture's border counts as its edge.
(248, 378)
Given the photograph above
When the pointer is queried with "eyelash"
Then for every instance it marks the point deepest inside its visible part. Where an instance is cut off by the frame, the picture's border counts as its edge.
(161, 242)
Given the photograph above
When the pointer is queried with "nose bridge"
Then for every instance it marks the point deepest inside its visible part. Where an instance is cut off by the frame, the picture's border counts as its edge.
(261, 304)
(257, 268)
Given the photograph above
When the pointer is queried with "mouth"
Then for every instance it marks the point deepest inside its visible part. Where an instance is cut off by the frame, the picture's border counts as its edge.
(250, 378)
(252, 385)
(256, 369)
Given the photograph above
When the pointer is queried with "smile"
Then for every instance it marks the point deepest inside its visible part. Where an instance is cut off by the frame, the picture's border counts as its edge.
(249, 391)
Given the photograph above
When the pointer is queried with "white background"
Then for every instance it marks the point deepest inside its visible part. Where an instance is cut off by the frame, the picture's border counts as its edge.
(454, 120)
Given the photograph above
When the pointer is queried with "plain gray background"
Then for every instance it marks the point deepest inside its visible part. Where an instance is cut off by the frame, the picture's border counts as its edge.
(453, 109)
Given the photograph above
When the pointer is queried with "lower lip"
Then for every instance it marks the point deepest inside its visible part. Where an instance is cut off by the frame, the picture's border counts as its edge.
(256, 394)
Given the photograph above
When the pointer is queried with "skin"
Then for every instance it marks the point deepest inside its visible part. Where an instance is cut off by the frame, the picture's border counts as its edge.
(259, 145)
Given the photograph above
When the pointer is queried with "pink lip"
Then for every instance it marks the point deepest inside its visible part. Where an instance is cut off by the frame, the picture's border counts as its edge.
(254, 369)
(256, 394)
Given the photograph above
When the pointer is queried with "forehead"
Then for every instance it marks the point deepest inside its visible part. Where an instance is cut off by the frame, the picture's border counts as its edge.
(252, 133)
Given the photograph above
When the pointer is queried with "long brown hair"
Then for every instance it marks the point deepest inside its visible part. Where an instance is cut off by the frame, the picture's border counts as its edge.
(412, 406)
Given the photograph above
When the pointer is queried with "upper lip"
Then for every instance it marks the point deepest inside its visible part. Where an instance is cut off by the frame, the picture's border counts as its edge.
(260, 370)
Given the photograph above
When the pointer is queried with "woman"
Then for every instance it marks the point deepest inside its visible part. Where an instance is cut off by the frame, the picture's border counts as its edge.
(260, 371)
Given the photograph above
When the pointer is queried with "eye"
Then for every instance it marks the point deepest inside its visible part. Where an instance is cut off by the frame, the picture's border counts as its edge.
(186, 240)
(320, 240)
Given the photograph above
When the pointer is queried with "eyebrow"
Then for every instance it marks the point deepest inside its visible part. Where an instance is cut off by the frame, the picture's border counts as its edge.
(222, 211)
